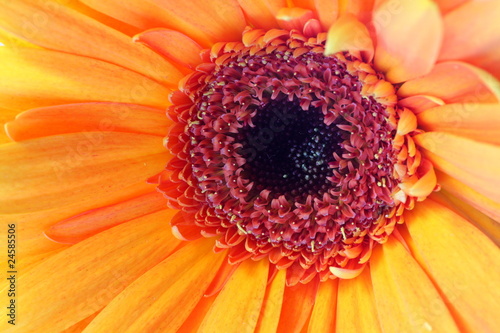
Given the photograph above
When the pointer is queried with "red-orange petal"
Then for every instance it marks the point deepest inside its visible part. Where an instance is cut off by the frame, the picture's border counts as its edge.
(476, 43)
(323, 313)
(462, 261)
(298, 303)
(480, 122)
(402, 57)
(454, 82)
(349, 34)
(77, 228)
(88, 117)
(402, 290)
(448, 5)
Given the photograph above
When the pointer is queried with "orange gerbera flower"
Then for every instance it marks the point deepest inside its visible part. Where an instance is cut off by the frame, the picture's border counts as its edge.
(323, 165)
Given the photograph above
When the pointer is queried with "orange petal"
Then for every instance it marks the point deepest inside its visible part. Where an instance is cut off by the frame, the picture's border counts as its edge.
(35, 246)
(454, 82)
(426, 182)
(88, 117)
(206, 21)
(356, 311)
(362, 9)
(294, 18)
(471, 162)
(480, 122)
(478, 42)
(402, 57)
(80, 326)
(5, 116)
(449, 5)
(297, 306)
(90, 274)
(323, 314)
(74, 168)
(77, 228)
(219, 281)
(271, 308)
(407, 122)
(173, 45)
(193, 322)
(467, 194)
(420, 103)
(488, 226)
(262, 13)
(348, 34)
(41, 77)
(165, 295)
(405, 298)
(57, 27)
(239, 303)
(327, 12)
(462, 261)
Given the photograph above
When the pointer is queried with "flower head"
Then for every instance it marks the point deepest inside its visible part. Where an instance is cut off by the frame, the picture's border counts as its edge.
(325, 165)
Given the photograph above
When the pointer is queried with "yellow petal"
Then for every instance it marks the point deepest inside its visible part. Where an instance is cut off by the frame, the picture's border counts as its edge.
(462, 261)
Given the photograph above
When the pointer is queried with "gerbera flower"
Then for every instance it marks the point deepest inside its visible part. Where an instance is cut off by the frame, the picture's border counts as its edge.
(321, 166)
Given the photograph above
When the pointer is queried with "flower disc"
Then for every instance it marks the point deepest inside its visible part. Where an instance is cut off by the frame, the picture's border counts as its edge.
(283, 152)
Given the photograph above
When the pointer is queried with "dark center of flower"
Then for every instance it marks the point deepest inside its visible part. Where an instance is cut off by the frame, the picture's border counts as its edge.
(288, 151)
(285, 153)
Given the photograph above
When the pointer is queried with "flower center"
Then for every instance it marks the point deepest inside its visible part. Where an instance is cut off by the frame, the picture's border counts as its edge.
(288, 154)
(288, 151)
